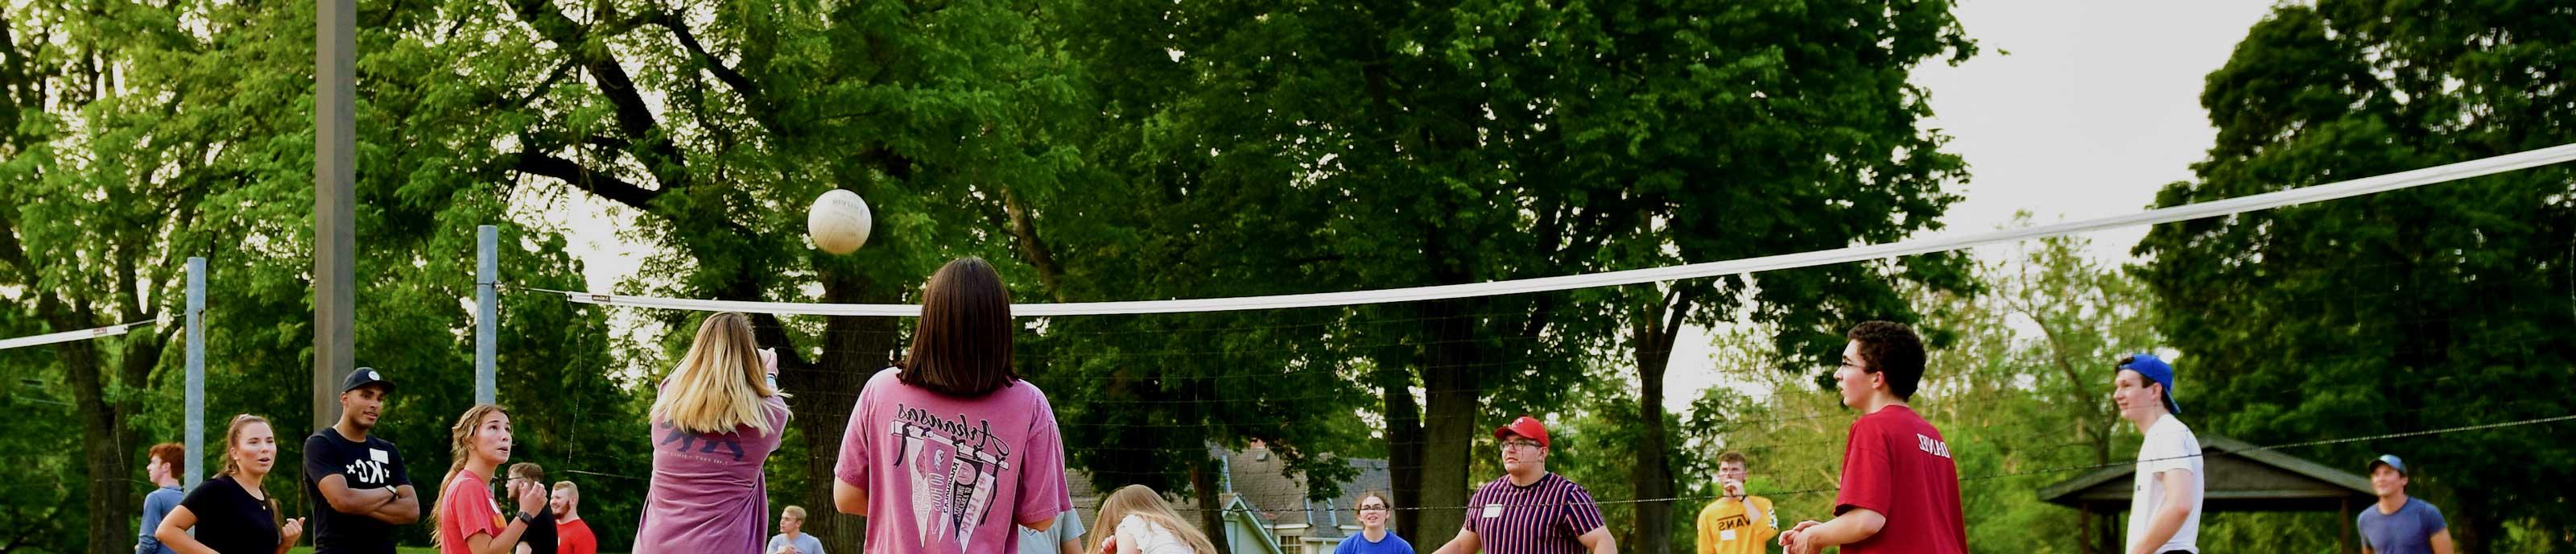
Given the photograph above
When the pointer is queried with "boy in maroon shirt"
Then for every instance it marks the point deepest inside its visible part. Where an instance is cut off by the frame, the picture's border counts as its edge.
(1900, 490)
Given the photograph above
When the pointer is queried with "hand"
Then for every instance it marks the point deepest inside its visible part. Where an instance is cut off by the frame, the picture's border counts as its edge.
(1734, 488)
(531, 499)
(1109, 545)
(769, 360)
(1794, 540)
(294, 529)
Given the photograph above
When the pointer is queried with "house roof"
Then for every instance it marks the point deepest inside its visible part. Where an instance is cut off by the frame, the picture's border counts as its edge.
(2242, 478)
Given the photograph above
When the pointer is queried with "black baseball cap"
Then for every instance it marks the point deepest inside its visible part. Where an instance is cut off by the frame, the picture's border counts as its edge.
(365, 376)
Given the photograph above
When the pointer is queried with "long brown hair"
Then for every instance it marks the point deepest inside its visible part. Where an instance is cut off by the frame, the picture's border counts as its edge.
(719, 385)
(962, 345)
(459, 448)
(1142, 502)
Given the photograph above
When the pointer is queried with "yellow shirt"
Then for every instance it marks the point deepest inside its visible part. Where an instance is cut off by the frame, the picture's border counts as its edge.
(1724, 528)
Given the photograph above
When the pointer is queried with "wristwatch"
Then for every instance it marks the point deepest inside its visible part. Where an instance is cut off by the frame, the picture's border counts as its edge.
(524, 516)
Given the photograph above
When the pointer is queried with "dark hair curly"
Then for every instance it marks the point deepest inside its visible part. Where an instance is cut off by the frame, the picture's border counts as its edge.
(1893, 351)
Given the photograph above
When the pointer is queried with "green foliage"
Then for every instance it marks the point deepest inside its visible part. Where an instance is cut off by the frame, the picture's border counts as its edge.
(2417, 309)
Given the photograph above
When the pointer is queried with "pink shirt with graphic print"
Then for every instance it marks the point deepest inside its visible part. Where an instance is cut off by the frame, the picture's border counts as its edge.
(949, 475)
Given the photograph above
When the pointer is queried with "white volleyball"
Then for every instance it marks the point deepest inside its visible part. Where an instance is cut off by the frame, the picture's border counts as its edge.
(838, 222)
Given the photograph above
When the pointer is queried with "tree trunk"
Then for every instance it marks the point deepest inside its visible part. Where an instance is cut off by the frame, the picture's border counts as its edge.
(1455, 398)
(1403, 451)
(854, 348)
(110, 442)
(1211, 495)
(1652, 336)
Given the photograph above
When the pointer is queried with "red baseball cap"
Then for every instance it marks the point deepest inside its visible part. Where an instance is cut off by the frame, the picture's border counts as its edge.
(1525, 426)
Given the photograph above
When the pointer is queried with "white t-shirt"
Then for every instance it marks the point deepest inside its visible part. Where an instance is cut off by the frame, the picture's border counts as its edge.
(1151, 538)
(2170, 446)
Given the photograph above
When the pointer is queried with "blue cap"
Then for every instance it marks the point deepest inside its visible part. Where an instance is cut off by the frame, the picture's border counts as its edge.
(2389, 460)
(2154, 369)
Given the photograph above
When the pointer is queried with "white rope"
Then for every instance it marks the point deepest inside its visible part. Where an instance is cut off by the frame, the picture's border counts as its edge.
(1938, 243)
(68, 336)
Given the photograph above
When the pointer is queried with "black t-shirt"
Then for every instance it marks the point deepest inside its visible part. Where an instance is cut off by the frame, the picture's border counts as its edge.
(229, 519)
(373, 464)
(540, 537)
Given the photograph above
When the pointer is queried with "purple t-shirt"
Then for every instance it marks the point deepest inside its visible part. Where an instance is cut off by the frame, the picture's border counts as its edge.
(708, 494)
(948, 475)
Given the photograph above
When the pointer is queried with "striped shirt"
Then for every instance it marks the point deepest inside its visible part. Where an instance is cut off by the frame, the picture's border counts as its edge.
(1542, 518)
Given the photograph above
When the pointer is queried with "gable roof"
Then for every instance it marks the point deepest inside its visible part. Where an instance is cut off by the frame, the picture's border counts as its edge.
(2242, 478)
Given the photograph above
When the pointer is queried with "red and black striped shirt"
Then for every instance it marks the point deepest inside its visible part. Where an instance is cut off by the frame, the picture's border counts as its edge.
(1542, 518)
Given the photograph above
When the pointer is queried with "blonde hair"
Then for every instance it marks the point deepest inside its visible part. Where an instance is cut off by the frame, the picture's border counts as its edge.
(459, 448)
(1142, 502)
(719, 384)
(797, 511)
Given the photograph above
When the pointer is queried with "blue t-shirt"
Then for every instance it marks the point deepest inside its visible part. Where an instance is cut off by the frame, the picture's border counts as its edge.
(2409, 531)
(1067, 528)
(805, 543)
(1359, 544)
(156, 506)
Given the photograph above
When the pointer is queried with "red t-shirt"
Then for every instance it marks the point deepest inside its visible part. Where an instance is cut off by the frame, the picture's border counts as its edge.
(466, 510)
(1897, 465)
(574, 537)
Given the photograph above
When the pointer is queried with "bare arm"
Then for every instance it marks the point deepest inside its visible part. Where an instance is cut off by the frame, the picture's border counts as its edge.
(336, 492)
(2442, 542)
(486, 543)
(174, 532)
(1853, 526)
(403, 510)
(850, 499)
(2168, 520)
(1466, 543)
(1598, 541)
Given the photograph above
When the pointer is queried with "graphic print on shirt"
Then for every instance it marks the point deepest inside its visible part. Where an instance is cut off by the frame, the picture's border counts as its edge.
(729, 441)
(954, 467)
(375, 469)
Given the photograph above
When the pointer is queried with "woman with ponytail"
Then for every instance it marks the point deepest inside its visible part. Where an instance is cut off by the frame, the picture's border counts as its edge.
(467, 520)
(716, 420)
(231, 513)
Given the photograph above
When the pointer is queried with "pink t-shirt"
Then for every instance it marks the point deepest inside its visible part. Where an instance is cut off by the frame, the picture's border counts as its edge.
(948, 475)
(708, 495)
(466, 511)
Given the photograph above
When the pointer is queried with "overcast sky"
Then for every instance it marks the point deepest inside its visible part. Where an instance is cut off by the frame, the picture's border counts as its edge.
(2095, 107)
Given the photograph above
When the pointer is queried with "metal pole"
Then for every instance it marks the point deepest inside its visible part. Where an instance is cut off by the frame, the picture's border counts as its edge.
(487, 268)
(335, 176)
(196, 373)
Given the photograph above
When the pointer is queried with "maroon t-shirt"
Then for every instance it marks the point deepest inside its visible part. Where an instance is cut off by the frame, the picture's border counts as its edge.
(1897, 465)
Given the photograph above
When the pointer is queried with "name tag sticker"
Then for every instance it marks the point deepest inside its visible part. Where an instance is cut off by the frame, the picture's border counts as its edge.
(377, 454)
(1726, 535)
(1493, 510)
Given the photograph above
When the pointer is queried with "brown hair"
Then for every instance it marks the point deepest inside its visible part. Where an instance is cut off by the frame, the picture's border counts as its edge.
(962, 345)
(1893, 351)
(1737, 457)
(1140, 501)
(232, 437)
(171, 453)
(529, 471)
(458, 449)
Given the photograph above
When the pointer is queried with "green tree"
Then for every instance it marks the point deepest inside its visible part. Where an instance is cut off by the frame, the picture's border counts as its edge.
(1370, 146)
(2408, 310)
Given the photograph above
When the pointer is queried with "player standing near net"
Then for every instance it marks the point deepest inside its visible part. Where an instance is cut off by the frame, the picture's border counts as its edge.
(467, 520)
(1900, 489)
(715, 421)
(166, 461)
(232, 513)
(949, 448)
(2164, 510)
(1530, 510)
(357, 484)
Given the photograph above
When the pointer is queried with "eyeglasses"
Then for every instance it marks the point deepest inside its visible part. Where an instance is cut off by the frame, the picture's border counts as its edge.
(1507, 445)
(1373, 506)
